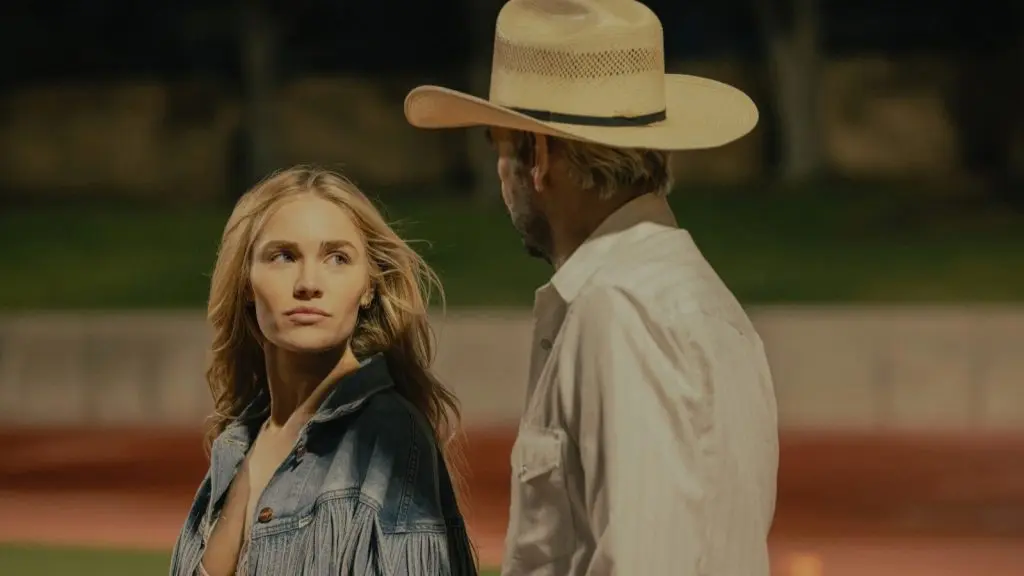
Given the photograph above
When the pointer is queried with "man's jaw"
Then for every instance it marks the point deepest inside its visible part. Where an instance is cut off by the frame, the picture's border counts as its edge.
(535, 252)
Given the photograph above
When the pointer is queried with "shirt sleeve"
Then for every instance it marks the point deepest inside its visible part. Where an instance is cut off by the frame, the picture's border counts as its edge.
(637, 386)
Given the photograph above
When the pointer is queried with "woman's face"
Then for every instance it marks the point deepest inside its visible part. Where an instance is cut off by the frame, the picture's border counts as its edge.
(309, 276)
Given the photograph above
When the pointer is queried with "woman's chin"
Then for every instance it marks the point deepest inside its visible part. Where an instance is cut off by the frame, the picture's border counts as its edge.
(310, 340)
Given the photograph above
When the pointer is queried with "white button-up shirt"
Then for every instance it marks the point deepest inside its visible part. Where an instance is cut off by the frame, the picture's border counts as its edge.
(648, 445)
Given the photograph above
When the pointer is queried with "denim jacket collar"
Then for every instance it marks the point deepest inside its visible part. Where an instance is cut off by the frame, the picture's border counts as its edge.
(348, 394)
(354, 389)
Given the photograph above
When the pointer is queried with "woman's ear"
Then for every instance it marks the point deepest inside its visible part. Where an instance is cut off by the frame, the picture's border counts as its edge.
(367, 298)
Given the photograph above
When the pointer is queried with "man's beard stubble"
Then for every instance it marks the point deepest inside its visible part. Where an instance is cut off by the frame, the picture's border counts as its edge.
(527, 217)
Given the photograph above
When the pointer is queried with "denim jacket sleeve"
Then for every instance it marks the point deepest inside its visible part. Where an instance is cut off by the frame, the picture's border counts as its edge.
(427, 536)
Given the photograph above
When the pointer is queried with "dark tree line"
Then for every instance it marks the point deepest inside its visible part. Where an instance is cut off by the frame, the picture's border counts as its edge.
(251, 47)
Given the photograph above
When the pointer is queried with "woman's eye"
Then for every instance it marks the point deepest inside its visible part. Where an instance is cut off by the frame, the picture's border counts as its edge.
(282, 257)
(338, 258)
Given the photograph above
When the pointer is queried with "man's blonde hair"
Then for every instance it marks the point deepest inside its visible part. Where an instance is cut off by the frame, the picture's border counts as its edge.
(604, 169)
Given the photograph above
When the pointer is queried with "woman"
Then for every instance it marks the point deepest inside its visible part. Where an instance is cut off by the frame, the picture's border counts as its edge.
(325, 452)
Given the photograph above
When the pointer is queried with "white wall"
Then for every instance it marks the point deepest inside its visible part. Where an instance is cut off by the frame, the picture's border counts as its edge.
(845, 368)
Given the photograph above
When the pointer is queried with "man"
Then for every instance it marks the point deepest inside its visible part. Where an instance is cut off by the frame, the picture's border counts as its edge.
(648, 444)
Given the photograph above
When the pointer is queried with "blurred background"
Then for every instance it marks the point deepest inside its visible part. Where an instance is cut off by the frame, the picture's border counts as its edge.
(873, 224)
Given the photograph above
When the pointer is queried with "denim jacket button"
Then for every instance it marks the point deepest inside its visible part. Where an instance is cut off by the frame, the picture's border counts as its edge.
(300, 451)
(265, 516)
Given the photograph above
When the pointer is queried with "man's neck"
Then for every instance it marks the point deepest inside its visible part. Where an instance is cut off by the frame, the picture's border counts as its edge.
(580, 224)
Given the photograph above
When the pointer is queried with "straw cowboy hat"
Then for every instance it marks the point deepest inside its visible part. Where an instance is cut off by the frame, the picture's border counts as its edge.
(590, 70)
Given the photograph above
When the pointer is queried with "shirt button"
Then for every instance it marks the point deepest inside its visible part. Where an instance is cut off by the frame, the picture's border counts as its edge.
(545, 345)
(266, 515)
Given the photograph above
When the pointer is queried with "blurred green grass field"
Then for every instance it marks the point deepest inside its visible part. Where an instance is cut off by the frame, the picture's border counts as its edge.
(47, 561)
(841, 243)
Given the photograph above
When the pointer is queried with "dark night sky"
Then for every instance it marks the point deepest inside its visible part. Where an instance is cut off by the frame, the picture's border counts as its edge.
(83, 39)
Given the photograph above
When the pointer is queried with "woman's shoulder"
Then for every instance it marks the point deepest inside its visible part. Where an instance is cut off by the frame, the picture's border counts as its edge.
(390, 417)
(390, 450)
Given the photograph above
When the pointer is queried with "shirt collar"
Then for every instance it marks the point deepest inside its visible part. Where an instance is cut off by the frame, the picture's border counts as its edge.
(588, 258)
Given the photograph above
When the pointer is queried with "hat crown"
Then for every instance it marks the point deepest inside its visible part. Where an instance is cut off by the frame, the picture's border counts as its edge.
(593, 57)
(580, 25)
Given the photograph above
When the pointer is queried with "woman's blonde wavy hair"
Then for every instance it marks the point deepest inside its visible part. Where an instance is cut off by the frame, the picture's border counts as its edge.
(394, 324)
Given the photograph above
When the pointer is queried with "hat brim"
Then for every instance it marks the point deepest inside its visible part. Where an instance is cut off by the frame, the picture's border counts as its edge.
(700, 113)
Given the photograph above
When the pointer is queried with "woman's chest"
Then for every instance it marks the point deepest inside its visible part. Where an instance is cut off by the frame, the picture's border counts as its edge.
(242, 504)
(264, 461)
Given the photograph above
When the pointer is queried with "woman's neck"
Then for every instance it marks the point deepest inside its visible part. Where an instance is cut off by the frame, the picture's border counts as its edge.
(299, 382)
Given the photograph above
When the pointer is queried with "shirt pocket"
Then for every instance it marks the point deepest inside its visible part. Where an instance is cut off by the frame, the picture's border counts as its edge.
(542, 529)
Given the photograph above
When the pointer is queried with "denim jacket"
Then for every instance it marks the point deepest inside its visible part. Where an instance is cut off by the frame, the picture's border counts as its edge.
(363, 492)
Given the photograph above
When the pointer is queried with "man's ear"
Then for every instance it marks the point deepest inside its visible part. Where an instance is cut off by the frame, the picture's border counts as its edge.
(541, 161)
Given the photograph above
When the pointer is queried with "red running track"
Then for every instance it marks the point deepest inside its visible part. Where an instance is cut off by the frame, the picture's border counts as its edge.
(879, 505)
